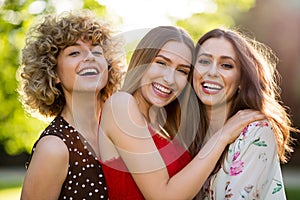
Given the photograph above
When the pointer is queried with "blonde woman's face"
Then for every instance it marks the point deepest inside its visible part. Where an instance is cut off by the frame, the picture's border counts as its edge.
(217, 73)
(167, 75)
(82, 67)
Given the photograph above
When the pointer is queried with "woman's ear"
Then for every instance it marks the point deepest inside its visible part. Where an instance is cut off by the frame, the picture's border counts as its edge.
(57, 79)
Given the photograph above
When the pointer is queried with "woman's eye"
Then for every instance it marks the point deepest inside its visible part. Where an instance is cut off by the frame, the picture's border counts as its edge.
(161, 62)
(227, 66)
(74, 53)
(98, 53)
(203, 61)
(183, 71)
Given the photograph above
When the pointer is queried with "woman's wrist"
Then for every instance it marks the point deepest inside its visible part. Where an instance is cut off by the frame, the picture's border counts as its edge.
(217, 142)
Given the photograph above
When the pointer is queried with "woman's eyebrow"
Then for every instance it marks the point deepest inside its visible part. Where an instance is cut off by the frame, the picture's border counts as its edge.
(205, 54)
(222, 57)
(229, 57)
(169, 60)
(164, 57)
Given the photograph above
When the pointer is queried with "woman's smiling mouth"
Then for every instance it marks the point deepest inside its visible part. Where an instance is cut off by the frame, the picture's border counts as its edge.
(161, 90)
(88, 72)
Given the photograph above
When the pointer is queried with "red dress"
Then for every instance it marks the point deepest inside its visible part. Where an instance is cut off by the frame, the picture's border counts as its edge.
(120, 183)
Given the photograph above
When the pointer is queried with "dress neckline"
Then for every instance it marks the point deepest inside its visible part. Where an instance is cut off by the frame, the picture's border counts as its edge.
(82, 138)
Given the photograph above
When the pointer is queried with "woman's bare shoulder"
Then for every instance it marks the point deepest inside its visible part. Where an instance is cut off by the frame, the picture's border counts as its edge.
(120, 101)
(53, 146)
(120, 97)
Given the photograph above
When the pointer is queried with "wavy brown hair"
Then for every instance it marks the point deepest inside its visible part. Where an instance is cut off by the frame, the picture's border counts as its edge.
(37, 81)
(259, 89)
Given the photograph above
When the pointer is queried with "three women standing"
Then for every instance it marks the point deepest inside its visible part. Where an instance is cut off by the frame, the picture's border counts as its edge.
(72, 66)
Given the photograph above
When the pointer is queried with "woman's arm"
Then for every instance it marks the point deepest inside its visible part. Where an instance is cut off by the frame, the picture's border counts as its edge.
(124, 125)
(47, 170)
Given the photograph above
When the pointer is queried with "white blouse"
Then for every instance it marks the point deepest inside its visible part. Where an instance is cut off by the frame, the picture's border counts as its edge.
(251, 169)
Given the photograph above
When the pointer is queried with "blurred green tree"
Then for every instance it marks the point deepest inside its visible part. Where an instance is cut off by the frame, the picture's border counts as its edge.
(217, 13)
(16, 131)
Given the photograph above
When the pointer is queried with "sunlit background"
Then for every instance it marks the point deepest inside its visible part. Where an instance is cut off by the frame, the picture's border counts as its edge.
(141, 13)
(274, 22)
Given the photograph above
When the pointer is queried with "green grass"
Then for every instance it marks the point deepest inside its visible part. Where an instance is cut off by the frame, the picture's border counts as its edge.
(10, 189)
(293, 193)
(12, 193)
(11, 183)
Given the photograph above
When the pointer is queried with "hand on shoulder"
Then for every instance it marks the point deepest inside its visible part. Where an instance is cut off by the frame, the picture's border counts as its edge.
(258, 129)
(235, 125)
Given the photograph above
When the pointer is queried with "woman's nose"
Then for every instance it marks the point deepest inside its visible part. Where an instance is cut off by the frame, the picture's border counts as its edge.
(89, 56)
(213, 69)
(169, 75)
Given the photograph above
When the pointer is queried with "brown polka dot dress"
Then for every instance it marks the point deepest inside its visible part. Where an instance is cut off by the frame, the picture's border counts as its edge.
(85, 179)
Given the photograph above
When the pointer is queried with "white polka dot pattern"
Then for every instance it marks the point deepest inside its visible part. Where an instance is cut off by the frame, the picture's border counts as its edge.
(85, 178)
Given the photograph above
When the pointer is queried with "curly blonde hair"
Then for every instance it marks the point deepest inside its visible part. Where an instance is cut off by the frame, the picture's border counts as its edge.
(37, 74)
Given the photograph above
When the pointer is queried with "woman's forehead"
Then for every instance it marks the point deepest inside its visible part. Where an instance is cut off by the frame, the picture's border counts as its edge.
(177, 51)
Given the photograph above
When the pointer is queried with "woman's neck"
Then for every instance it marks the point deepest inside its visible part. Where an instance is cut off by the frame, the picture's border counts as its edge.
(149, 111)
(82, 111)
(217, 116)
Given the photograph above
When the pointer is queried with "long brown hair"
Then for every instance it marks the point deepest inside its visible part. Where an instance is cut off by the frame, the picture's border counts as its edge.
(177, 114)
(259, 89)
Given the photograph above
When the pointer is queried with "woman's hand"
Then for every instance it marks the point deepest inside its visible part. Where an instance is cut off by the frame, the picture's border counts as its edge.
(235, 125)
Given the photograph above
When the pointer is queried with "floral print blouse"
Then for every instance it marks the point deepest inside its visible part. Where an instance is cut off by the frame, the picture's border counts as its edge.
(251, 169)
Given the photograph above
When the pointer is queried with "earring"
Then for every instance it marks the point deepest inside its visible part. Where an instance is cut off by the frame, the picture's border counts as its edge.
(239, 89)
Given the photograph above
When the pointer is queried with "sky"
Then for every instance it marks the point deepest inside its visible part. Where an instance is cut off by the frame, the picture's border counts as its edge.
(149, 13)
(138, 16)
(141, 13)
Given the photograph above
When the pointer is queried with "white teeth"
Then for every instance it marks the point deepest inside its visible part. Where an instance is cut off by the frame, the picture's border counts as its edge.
(89, 71)
(161, 88)
(212, 86)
